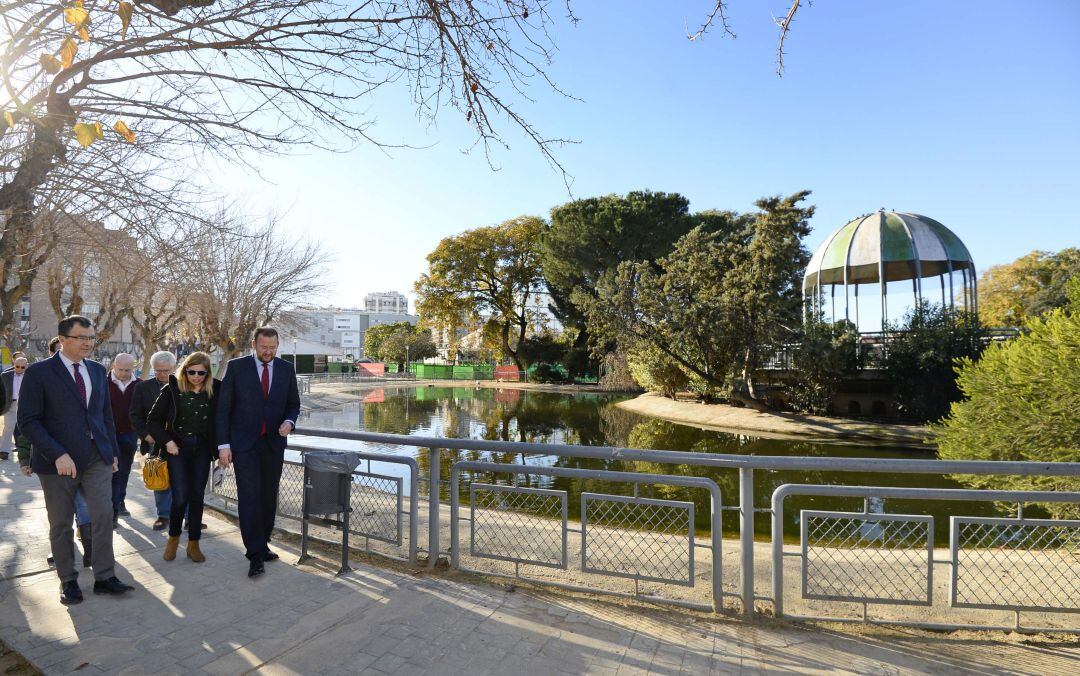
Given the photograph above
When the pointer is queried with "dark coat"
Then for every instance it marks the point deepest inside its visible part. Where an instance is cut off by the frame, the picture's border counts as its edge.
(57, 421)
(242, 410)
(146, 393)
(161, 421)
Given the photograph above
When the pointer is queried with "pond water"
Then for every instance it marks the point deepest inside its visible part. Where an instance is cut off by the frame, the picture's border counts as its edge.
(592, 419)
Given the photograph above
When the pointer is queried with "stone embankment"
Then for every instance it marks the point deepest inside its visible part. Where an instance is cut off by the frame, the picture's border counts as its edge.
(776, 424)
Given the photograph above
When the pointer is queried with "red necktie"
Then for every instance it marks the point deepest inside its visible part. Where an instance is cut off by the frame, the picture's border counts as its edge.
(80, 384)
(265, 388)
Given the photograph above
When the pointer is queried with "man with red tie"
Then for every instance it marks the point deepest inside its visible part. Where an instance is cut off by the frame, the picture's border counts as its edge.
(64, 411)
(257, 408)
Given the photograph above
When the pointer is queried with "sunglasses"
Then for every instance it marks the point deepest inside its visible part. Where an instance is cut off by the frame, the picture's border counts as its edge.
(195, 372)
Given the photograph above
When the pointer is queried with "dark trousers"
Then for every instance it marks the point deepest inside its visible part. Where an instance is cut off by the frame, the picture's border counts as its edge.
(258, 475)
(94, 480)
(127, 443)
(188, 473)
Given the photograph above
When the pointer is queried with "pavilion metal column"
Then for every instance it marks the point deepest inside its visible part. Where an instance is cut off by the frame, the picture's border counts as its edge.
(952, 294)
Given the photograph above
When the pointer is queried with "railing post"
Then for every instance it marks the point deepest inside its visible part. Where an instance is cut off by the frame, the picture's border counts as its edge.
(778, 553)
(746, 538)
(433, 506)
(455, 542)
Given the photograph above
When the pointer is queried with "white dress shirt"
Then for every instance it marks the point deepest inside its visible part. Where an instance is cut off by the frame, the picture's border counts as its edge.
(16, 384)
(259, 368)
(68, 364)
(121, 384)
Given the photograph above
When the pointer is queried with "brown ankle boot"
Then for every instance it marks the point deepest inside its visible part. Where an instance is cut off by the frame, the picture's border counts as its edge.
(193, 551)
(171, 546)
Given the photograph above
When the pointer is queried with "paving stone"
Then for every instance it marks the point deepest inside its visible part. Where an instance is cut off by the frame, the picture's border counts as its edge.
(209, 618)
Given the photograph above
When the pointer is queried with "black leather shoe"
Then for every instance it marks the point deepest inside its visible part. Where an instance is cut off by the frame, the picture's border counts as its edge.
(271, 556)
(256, 569)
(111, 586)
(161, 523)
(123, 508)
(70, 594)
(3, 455)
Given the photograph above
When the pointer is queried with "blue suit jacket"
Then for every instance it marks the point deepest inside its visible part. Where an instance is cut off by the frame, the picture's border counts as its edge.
(242, 409)
(55, 420)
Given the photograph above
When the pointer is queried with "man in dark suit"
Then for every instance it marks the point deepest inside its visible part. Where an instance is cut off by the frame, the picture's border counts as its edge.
(256, 411)
(64, 411)
(146, 393)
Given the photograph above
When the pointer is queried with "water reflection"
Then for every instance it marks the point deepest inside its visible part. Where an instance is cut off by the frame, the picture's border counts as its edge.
(591, 419)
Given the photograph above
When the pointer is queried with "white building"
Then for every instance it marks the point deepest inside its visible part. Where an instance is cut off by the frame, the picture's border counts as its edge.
(390, 302)
(342, 328)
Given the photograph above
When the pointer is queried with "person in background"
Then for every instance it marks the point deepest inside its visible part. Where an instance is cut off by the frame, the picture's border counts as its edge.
(10, 384)
(64, 411)
(182, 421)
(145, 394)
(121, 395)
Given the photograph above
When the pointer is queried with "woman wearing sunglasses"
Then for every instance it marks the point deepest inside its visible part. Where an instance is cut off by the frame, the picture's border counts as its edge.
(183, 418)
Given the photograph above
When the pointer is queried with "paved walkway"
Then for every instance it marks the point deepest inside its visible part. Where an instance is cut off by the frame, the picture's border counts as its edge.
(210, 618)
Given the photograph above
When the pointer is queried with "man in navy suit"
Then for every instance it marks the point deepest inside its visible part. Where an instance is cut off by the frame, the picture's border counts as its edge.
(257, 407)
(64, 411)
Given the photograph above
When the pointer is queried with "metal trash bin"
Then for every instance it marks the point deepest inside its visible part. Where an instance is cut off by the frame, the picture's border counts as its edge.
(327, 482)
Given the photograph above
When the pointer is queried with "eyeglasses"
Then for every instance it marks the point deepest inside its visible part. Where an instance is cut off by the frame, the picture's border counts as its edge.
(195, 372)
(85, 339)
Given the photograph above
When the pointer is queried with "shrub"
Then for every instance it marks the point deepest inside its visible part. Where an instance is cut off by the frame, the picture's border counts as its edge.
(1020, 403)
(921, 357)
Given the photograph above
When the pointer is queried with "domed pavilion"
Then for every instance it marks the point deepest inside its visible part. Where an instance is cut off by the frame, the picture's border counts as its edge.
(883, 247)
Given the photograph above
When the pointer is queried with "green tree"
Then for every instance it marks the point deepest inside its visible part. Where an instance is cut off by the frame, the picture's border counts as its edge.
(487, 272)
(921, 356)
(588, 238)
(1020, 403)
(822, 358)
(1011, 293)
(725, 294)
(655, 371)
(397, 342)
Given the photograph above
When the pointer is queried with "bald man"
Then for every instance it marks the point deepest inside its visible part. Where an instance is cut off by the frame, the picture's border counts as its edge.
(10, 384)
(121, 392)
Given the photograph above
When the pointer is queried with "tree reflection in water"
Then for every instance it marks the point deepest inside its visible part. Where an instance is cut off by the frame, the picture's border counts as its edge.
(592, 419)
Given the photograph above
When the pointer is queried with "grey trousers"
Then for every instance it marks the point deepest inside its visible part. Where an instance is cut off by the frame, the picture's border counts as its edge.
(96, 483)
(7, 438)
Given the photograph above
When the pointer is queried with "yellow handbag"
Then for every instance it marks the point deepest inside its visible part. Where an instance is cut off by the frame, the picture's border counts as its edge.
(155, 473)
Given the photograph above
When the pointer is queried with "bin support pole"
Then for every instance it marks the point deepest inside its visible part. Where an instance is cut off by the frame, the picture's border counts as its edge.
(435, 474)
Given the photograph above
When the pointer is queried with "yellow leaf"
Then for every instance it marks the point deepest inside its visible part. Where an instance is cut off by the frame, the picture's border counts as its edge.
(67, 52)
(86, 134)
(84, 35)
(77, 17)
(99, 133)
(124, 11)
(124, 131)
(50, 63)
(9, 119)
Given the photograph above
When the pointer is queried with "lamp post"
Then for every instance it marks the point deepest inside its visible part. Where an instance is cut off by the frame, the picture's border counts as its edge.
(406, 358)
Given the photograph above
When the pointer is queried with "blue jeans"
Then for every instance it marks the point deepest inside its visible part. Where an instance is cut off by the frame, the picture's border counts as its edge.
(82, 512)
(163, 501)
(188, 473)
(127, 443)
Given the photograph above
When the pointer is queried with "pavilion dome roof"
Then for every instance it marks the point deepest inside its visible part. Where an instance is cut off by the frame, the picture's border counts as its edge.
(896, 245)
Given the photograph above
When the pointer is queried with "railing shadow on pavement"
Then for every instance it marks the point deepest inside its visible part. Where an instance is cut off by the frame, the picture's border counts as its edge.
(863, 565)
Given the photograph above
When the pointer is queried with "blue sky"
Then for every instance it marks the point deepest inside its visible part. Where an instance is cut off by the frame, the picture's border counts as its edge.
(968, 113)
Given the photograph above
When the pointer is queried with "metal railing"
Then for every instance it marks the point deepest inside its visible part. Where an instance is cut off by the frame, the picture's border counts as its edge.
(844, 563)
(377, 500)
